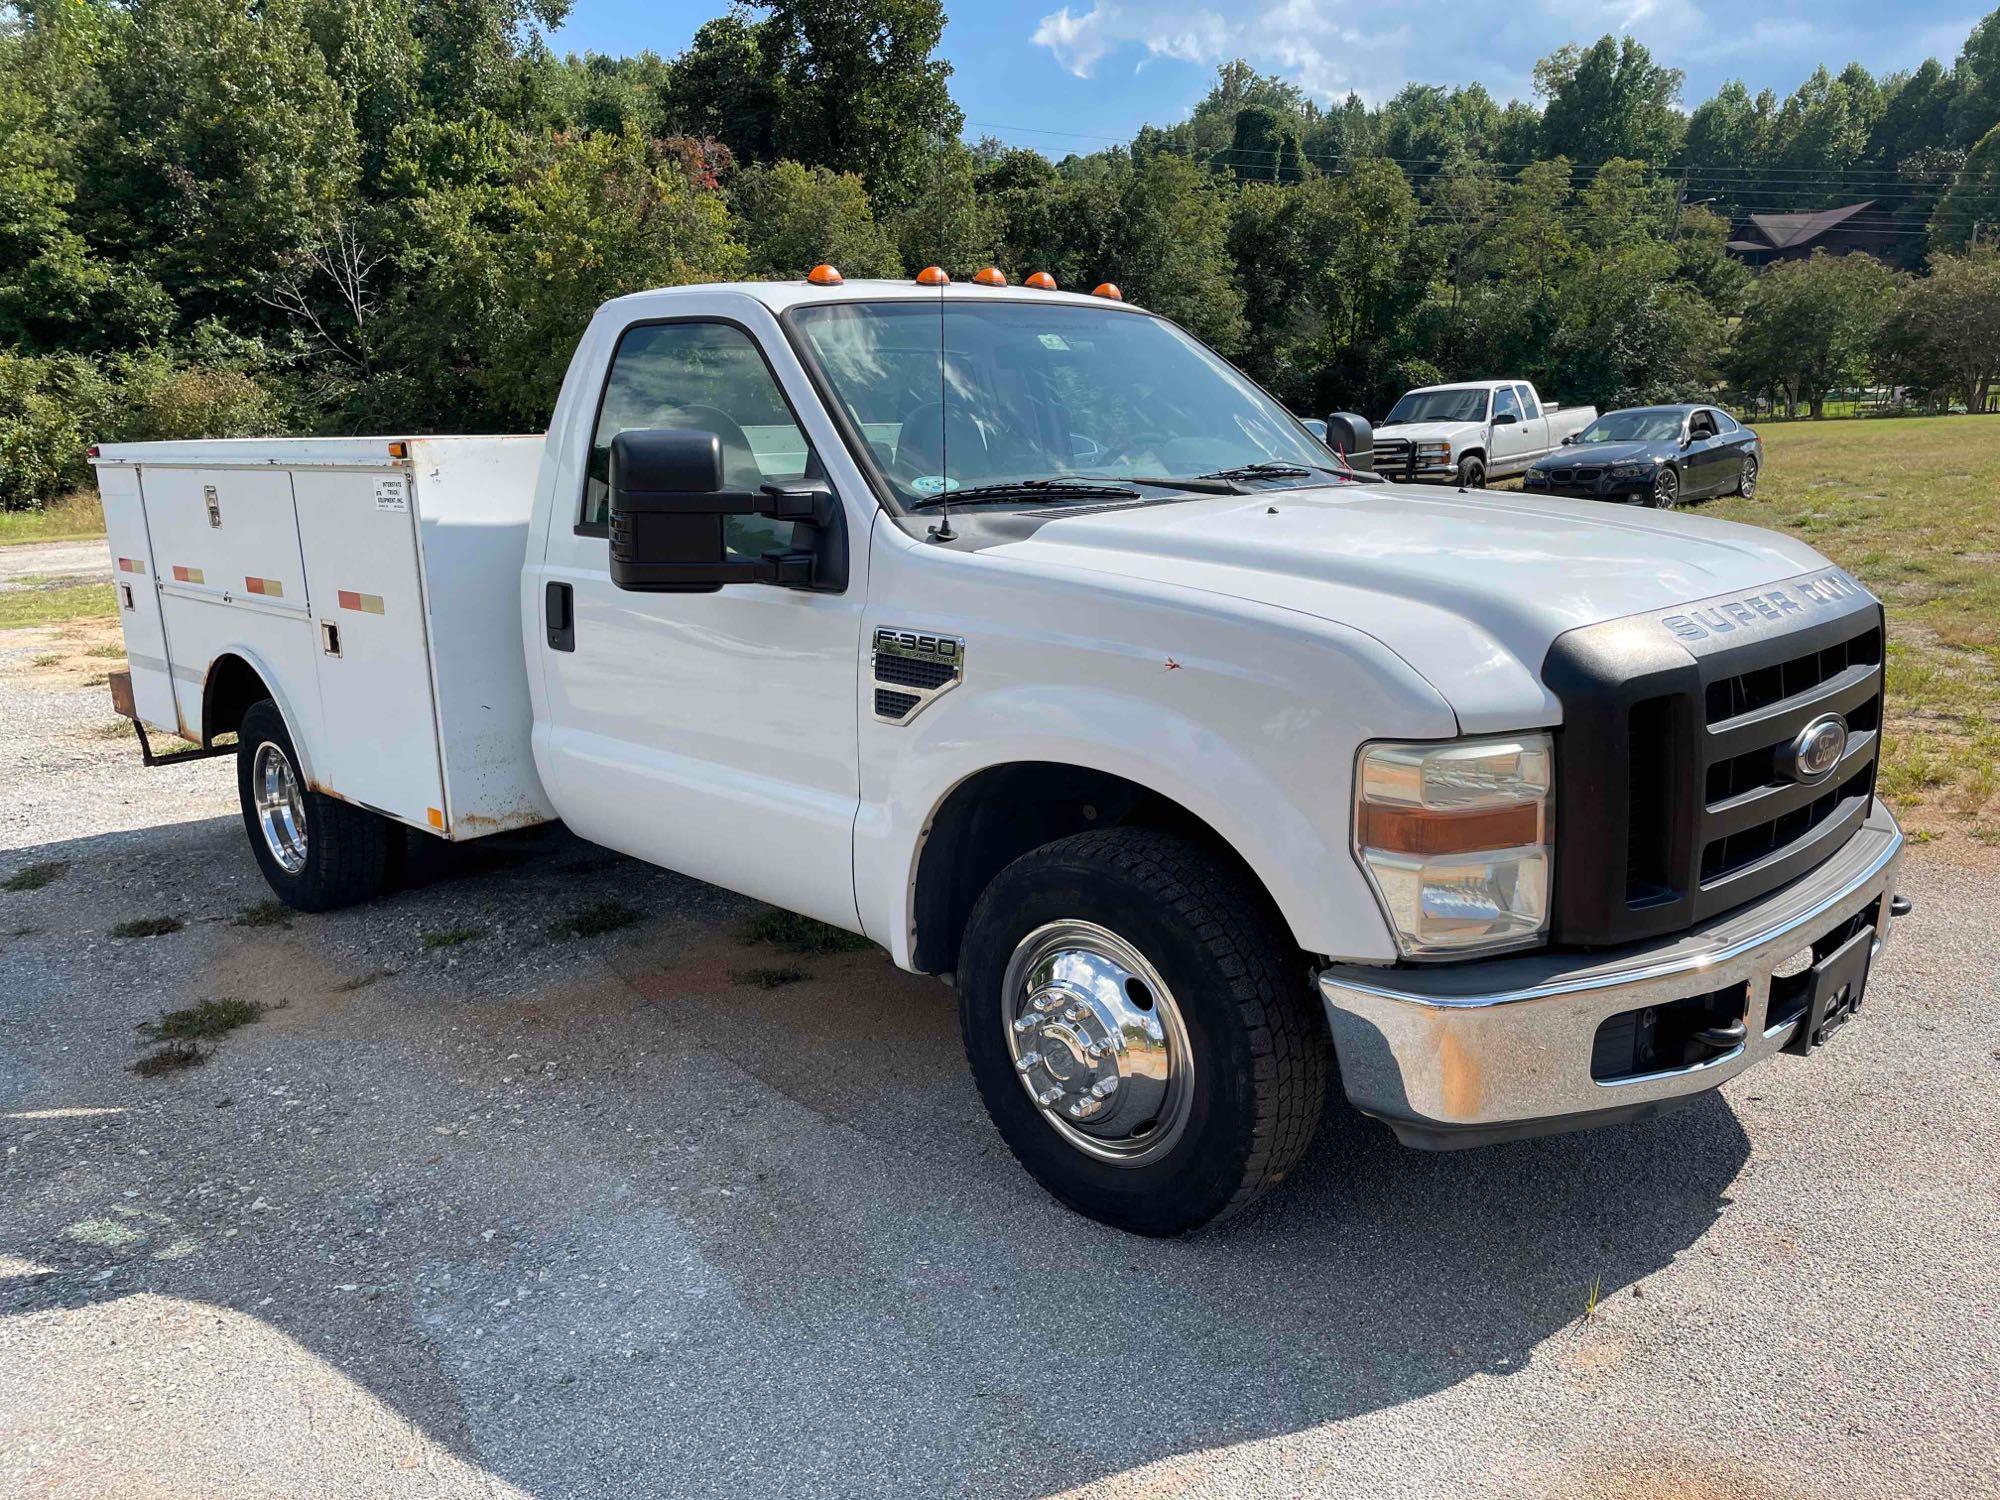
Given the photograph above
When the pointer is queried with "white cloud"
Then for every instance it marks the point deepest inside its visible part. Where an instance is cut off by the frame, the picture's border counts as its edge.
(1330, 47)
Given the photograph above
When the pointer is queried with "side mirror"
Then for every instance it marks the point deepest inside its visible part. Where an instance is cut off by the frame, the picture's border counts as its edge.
(1349, 435)
(1569, 440)
(666, 520)
(1504, 419)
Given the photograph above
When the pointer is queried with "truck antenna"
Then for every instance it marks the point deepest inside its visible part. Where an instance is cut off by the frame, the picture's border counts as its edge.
(942, 532)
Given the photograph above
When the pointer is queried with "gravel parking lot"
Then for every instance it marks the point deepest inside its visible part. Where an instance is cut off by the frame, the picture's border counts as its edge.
(480, 1207)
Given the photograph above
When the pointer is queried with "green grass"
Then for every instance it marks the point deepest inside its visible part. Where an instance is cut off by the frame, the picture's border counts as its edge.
(85, 601)
(594, 920)
(1911, 507)
(140, 927)
(72, 519)
(271, 913)
(451, 937)
(796, 934)
(34, 877)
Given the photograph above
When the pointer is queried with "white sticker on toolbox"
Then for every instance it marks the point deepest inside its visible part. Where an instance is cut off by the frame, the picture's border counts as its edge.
(393, 494)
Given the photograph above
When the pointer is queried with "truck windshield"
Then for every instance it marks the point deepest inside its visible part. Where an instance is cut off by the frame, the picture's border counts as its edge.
(1462, 405)
(1634, 427)
(969, 396)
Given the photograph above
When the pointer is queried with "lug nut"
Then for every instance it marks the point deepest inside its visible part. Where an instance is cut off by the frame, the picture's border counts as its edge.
(1104, 1088)
(1048, 1096)
(1028, 1062)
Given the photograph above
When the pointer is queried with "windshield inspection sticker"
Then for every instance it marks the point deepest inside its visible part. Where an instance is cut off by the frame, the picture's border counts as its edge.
(1053, 341)
(393, 494)
(933, 484)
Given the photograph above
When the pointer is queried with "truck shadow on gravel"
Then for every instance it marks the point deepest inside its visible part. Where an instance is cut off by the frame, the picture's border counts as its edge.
(614, 1215)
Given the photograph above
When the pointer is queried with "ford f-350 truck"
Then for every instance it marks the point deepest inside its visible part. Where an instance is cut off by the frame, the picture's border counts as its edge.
(1476, 430)
(1018, 632)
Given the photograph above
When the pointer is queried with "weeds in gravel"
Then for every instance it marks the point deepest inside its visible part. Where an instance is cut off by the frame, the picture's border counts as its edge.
(451, 937)
(273, 913)
(178, 1034)
(771, 978)
(34, 877)
(107, 653)
(1592, 1297)
(170, 1058)
(140, 927)
(201, 1023)
(46, 659)
(594, 920)
(796, 934)
(360, 982)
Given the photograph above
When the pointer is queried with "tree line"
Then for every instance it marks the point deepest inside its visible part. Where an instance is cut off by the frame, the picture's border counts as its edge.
(244, 217)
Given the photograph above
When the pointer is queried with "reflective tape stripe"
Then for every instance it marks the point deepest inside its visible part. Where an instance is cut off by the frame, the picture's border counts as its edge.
(187, 575)
(367, 604)
(131, 565)
(270, 588)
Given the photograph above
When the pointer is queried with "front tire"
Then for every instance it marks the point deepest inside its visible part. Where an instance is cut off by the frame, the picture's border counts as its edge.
(1140, 1029)
(1746, 482)
(1666, 491)
(316, 853)
(1472, 472)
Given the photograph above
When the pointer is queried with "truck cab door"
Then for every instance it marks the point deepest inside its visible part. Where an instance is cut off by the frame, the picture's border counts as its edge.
(713, 733)
(1511, 444)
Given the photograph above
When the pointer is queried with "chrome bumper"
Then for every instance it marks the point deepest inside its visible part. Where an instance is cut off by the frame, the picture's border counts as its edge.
(1470, 1053)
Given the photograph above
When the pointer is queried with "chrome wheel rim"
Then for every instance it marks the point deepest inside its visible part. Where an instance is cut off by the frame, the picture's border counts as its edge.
(281, 807)
(1098, 1042)
(1667, 489)
(1749, 486)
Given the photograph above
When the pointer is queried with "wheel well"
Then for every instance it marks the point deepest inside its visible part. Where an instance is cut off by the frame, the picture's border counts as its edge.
(991, 819)
(233, 685)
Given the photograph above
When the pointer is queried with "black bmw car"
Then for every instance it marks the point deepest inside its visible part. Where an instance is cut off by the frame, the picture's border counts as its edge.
(1660, 456)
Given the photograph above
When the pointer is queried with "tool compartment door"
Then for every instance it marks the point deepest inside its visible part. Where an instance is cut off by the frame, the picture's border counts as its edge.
(380, 744)
(226, 550)
(133, 580)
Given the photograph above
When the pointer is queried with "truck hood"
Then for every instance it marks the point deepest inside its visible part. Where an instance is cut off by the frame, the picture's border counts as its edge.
(1417, 432)
(1469, 589)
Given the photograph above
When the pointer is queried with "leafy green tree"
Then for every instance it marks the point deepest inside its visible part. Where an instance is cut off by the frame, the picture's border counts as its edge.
(1266, 147)
(723, 89)
(1943, 335)
(224, 140)
(945, 221)
(1976, 109)
(1610, 99)
(1969, 213)
(1810, 326)
(1823, 130)
(1172, 252)
(795, 217)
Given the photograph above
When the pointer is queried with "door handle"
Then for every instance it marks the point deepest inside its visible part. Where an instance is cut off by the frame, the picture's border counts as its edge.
(559, 613)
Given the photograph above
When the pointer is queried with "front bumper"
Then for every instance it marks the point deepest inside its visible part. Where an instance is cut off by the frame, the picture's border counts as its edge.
(1466, 1054)
(1624, 491)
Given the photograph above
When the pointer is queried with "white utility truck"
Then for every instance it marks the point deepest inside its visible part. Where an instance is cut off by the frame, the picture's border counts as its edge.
(1020, 633)
(1476, 430)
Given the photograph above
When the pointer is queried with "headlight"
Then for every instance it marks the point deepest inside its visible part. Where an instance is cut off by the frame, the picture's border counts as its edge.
(1434, 450)
(1631, 471)
(1454, 837)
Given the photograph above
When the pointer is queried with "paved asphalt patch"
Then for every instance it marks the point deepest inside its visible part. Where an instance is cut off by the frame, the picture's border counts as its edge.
(477, 1209)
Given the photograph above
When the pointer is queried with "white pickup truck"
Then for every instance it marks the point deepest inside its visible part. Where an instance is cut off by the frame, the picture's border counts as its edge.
(1016, 631)
(1468, 433)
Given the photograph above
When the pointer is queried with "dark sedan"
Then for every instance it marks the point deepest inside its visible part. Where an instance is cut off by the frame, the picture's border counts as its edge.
(1660, 456)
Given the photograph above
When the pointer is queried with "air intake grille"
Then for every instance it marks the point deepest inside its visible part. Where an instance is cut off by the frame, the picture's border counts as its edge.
(890, 705)
(905, 671)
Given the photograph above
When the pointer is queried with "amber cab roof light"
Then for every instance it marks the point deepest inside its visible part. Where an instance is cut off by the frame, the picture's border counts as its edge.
(933, 276)
(1108, 289)
(991, 276)
(825, 275)
(1041, 281)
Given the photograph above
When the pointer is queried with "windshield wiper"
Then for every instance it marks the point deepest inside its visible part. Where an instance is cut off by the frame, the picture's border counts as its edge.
(1027, 489)
(1273, 468)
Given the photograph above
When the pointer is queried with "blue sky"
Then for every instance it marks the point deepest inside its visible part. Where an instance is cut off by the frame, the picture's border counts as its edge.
(1077, 76)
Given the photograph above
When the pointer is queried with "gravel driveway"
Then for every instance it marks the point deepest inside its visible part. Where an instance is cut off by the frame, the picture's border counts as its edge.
(476, 1209)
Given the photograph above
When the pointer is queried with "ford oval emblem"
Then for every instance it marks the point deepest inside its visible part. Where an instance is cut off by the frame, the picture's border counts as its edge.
(1818, 748)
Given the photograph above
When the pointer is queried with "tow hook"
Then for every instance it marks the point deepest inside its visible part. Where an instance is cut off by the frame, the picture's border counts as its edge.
(1900, 905)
